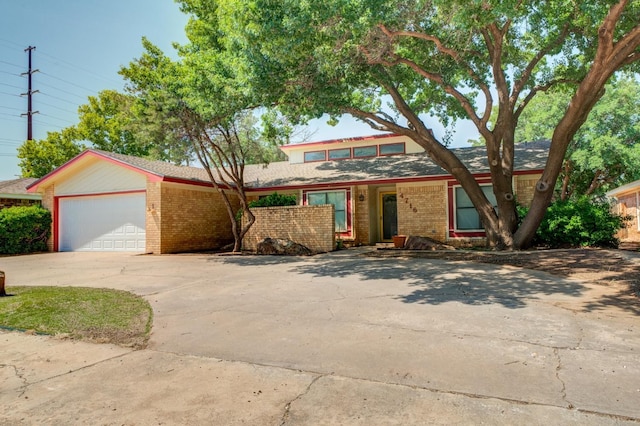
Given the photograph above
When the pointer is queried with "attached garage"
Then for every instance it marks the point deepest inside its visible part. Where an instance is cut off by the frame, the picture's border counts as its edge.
(102, 223)
(106, 202)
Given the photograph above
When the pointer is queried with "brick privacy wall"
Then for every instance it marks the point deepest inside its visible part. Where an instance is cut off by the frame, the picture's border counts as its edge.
(311, 226)
(627, 206)
(361, 215)
(190, 219)
(422, 210)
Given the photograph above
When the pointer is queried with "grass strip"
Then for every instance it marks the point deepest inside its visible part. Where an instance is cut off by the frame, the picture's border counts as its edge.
(98, 315)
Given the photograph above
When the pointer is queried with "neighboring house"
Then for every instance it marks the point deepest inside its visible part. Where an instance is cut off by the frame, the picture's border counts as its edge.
(379, 186)
(627, 203)
(14, 193)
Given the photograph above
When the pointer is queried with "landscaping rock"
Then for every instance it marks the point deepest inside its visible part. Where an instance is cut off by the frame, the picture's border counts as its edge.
(282, 247)
(415, 242)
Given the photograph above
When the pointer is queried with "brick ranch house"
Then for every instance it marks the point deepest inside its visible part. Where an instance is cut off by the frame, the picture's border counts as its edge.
(14, 193)
(377, 187)
(627, 203)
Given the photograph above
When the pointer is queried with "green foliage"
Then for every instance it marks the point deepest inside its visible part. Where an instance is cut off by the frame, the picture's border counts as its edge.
(399, 65)
(39, 157)
(274, 200)
(24, 229)
(271, 200)
(605, 152)
(114, 122)
(583, 222)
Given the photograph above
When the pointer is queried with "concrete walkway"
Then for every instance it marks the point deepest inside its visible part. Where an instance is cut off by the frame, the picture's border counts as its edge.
(332, 339)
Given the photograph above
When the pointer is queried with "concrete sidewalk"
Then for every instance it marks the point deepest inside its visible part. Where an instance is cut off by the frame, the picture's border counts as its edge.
(332, 339)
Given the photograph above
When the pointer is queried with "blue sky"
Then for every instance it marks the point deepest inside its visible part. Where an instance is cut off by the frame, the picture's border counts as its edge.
(80, 46)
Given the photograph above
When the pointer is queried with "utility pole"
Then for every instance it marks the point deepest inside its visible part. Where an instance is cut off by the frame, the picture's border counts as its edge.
(30, 92)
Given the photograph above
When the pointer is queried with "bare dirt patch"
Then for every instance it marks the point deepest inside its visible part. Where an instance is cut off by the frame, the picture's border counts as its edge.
(619, 270)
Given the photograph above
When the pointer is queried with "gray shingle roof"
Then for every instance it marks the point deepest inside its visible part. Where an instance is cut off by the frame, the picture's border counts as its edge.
(528, 156)
(159, 168)
(16, 186)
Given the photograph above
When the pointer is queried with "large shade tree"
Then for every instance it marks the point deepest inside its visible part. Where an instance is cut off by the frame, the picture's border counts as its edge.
(111, 121)
(392, 63)
(605, 151)
(204, 97)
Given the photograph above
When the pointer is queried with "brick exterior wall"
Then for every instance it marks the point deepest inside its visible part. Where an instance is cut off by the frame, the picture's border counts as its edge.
(422, 210)
(311, 226)
(525, 187)
(361, 215)
(183, 218)
(627, 205)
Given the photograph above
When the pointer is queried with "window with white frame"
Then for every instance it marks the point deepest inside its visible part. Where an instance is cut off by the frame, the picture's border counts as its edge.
(338, 199)
(467, 217)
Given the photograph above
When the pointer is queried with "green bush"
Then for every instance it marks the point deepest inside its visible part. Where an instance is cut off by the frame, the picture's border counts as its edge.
(274, 200)
(24, 229)
(583, 222)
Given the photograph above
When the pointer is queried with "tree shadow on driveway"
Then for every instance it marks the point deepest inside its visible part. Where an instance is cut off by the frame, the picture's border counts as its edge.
(432, 282)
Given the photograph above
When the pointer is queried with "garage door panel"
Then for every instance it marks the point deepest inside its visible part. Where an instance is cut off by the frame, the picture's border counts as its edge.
(102, 223)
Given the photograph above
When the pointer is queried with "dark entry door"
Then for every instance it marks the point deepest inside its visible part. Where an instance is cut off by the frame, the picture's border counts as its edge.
(389, 215)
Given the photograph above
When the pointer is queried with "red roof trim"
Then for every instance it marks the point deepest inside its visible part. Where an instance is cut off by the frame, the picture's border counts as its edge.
(90, 153)
(341, 140)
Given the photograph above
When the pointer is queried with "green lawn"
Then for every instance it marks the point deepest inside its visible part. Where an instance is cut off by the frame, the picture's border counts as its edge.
(98, 315)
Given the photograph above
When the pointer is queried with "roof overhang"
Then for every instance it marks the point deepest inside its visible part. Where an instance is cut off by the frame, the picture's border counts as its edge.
(84, 159)
(624, 188)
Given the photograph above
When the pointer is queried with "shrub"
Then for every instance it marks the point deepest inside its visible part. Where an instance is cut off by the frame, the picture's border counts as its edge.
(579, 223)
(24, 229)
(274, 200)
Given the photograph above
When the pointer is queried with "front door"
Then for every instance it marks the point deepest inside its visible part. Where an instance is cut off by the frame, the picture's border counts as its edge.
(389, 207)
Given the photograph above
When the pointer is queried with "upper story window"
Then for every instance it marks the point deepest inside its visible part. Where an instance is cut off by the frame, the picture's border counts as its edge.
(356, 152)
(315, 156)
(365, 151)
(339, 154)
(392, 148)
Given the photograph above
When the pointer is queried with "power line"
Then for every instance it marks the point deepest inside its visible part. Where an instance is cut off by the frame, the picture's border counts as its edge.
(10, 94)
(11, 42)
(10, 119)
(48, 124)
(13, 65)
(77, 67)
(67, 82)
(11, 85)
(66, 92)
(57, 107)
(6, 107)
(55, 118)
(55, 97)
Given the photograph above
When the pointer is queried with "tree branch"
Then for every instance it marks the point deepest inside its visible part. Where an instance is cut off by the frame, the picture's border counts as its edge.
(526, 74)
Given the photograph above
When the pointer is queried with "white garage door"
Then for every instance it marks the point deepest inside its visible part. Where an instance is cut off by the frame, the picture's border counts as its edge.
(102, 223)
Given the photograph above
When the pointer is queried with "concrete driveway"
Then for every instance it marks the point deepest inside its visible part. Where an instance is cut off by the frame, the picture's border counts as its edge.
(338, 338)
